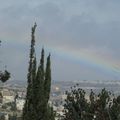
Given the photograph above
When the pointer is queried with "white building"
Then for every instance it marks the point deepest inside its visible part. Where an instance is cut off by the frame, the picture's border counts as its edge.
(20, 104)
(8, 96)
(6, 116)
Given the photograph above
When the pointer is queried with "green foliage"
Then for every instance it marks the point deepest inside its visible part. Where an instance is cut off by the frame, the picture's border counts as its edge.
(13, 117)
(28, 111)
(39, 85)
(76, 105)
(47, 83)
(49, 114)
(103, 106)
(115, 109)
(4, 76)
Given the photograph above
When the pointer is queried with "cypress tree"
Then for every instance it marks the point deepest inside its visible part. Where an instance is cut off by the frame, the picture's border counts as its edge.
(39, 99)
(28, 110)
(38, 91)
(49, 113)
(34, 86)
(42, 64)
(47, 85)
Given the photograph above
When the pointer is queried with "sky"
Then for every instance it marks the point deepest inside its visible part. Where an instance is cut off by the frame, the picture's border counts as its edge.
(83, 37)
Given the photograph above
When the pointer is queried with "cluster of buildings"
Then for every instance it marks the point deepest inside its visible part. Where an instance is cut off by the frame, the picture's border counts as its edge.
(11, 103)
(12, 96)
(57, 100)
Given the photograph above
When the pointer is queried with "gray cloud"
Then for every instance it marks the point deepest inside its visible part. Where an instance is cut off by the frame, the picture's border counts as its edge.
(73, 24)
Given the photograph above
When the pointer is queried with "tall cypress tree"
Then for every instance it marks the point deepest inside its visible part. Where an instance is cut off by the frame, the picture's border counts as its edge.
(34, 86)
(39, 83)
(39, 99)
(47, 84)
(49, 113)
(28, 110)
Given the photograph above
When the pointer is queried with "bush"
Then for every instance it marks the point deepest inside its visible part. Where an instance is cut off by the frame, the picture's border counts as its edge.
(102, 106)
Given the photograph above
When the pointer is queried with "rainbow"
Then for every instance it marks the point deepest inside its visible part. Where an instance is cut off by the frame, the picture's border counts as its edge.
(104, 64)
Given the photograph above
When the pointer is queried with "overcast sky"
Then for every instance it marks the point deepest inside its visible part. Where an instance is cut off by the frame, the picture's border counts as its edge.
(83, 37)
